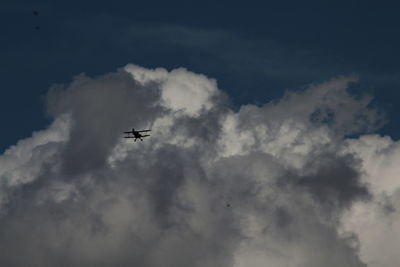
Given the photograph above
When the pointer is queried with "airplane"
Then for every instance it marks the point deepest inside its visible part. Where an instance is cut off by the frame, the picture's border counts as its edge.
(137, 134)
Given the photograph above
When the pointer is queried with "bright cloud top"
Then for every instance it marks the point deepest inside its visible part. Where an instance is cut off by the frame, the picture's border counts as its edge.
(273, 185)
(181, 90)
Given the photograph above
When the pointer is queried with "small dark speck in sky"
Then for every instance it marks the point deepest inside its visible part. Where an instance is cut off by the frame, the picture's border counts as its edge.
(36, 13)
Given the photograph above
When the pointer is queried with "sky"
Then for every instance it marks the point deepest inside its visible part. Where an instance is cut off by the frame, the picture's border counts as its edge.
(274, 136)
(255, 51)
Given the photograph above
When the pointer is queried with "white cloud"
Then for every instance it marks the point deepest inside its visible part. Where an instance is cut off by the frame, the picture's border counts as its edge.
(272, 185)
(181, 90)
(377, 222)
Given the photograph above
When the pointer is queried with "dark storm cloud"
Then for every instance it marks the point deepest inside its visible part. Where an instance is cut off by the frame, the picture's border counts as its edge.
(78, 194)
(335, 182)
(101, 109)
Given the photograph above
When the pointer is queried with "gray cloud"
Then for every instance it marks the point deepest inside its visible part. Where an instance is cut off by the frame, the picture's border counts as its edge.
(100, 109)
(271, 185)
(334, 182)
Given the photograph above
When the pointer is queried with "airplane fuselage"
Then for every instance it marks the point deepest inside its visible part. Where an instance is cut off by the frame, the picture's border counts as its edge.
(136, 134)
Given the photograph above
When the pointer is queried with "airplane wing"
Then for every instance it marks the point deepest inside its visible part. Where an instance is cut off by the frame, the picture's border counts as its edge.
(144, 131)
(145, 135)
(128, 132)
(129, 137)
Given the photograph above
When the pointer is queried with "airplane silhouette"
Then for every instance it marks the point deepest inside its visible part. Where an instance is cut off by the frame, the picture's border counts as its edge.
(136, 134)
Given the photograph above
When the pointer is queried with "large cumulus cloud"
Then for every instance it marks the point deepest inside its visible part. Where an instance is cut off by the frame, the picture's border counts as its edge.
(274, 185)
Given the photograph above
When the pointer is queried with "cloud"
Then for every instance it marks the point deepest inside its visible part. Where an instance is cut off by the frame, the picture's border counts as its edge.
(376, 223)
(277, 185)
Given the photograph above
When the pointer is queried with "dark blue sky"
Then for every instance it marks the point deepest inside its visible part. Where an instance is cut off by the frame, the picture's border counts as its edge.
(255, 51)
